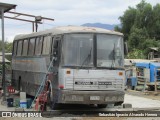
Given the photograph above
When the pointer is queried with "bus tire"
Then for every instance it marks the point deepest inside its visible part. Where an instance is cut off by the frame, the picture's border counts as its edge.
(151, 88)
(118, 103)
(102, 105)
(56, 106)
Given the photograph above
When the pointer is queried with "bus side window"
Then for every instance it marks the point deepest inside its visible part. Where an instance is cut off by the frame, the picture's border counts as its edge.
(55, 44)
(51, 47)
(56, 49)
(25, 47)
(15, 48)
(19, 48)
(46, 45)
(31, 46)
(38, 46)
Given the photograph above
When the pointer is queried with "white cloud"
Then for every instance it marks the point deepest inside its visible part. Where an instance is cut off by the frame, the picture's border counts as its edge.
(68, 12)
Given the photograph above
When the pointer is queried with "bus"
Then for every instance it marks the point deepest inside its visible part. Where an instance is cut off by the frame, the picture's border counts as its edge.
(87, 66)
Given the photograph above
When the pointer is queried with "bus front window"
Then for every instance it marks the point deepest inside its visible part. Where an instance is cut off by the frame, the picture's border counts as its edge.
(109, 51)
(77, 50)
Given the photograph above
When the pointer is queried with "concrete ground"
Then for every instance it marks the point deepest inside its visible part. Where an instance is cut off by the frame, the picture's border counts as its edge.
(141, 102)
(136, 101)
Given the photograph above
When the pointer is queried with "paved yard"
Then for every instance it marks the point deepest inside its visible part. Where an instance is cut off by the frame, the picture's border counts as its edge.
(136, 101)
(141, 102)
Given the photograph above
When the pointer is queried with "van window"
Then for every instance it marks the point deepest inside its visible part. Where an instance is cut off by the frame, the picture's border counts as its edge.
(46, 45)
(19, 50)
(31, 46)
(25, 47)
(39, 42)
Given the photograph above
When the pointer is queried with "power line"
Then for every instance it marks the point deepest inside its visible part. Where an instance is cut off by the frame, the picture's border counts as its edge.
(17, 25)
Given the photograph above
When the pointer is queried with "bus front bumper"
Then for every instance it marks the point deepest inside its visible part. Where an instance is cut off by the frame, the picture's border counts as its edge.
(90, 97)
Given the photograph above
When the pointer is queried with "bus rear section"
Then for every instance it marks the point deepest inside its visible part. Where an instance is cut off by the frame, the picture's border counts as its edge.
(91, 86)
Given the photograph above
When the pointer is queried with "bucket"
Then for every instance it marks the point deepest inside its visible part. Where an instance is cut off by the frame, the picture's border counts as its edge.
(23, 104)
(9, 102)
(29, 102)
(16, 102)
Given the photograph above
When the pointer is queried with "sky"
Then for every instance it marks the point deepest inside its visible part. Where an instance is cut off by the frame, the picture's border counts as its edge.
(66, 12)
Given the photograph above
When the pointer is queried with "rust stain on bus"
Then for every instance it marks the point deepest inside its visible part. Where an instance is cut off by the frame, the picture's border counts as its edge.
(26, 61)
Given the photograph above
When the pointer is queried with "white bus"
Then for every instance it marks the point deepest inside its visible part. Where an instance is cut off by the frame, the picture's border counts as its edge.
(88, 65)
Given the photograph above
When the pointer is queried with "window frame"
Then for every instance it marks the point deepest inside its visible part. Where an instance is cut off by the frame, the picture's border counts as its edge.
(54, 38)
(29, 39)
(27, 47)
(37, 39)
(14, 53)
(18, 47)
(50, 37)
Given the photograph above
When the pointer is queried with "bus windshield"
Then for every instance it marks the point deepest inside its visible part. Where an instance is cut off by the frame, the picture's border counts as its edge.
(109, 50)
(77, 50)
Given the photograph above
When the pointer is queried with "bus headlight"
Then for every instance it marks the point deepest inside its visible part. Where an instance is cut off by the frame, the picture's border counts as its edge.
(111, 98)
(120, 98)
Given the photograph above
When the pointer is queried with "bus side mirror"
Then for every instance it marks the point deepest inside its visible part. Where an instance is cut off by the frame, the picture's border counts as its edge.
(125, 48)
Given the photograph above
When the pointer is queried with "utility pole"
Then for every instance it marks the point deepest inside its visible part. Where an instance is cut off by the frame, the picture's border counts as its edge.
(4, 8)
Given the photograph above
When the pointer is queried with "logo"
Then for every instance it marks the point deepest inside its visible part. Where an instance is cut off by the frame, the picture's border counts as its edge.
(83, 83)
(6, 114)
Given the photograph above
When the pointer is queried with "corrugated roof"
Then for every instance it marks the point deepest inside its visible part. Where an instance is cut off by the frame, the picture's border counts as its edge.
(6, 7)
(154, 48)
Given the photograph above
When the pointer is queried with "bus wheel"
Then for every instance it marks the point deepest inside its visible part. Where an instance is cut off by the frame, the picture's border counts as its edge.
(118, 103)
(102, 105)
(56, 106)
(151, 88)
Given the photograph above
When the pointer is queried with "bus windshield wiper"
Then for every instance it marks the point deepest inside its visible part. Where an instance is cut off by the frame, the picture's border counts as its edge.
(113, 58)
(88, 58)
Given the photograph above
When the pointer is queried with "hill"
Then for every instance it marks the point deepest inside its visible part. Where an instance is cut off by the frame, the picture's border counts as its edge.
(100, 25)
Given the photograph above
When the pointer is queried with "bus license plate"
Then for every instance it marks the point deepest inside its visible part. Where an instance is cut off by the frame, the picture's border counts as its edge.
(94, 97)
(104, 83)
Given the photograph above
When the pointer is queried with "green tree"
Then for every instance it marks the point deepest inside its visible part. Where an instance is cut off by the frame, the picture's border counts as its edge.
(137, 37)
(8, 48)
(136, 54)
(141, 27)
(155, 28)
(127, 21)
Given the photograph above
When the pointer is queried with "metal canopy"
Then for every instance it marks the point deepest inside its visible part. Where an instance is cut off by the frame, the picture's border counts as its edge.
(6, 7)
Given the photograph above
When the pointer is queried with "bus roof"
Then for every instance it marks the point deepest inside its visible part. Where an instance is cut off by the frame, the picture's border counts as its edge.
(68, 29)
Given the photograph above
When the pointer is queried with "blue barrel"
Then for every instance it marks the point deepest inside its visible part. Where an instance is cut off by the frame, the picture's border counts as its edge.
(23, 103)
